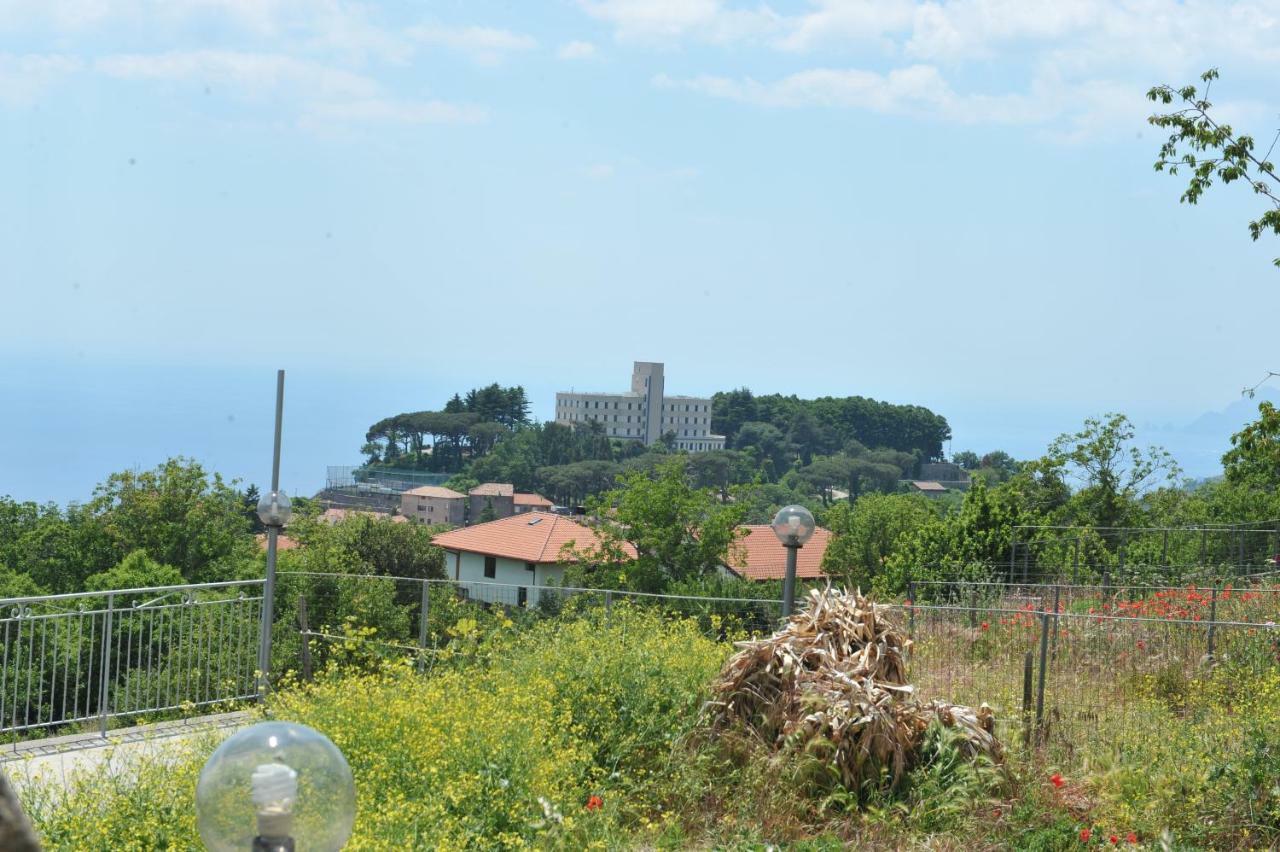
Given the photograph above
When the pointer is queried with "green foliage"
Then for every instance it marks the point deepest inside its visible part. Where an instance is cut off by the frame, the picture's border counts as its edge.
(1213, 149)
(177, 514)
(868, 532)
(957, 544)
(806, 428)
(1111, 471)
(501, 751)
(676, 530)
(445, 440)
(1254, 457)
(135, 571)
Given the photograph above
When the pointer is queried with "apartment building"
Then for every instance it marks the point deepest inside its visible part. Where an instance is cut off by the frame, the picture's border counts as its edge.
(645, 413)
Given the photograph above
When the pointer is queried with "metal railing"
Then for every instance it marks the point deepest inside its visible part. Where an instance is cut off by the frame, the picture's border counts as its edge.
(88, 658)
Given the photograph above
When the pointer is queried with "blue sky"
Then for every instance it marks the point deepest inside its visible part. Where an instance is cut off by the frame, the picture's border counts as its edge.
(949, 203)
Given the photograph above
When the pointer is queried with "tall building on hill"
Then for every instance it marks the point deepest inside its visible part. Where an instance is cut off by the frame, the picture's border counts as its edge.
(645, 413)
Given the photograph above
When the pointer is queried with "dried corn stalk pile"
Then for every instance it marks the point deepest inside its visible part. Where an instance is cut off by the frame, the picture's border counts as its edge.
(832, 684)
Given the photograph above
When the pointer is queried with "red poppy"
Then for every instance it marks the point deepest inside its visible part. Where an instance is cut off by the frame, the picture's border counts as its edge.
(1085, 834)
(1132, 837)
(1114, 839)
(985, 625)
(1056, 780)
(594, 803)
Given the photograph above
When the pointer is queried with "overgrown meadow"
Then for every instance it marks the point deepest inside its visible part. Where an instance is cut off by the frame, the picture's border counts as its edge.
(582, 731)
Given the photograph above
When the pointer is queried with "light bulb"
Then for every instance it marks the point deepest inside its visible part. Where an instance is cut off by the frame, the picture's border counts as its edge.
(274, 789)
(278, 781)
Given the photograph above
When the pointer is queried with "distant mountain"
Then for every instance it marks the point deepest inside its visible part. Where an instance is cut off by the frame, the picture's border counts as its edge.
(1198, 445)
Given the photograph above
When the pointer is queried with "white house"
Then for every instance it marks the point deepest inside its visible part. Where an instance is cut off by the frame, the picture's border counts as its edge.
(522, 552)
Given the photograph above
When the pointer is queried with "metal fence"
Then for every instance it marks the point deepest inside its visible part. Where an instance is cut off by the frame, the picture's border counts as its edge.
(87, 658)
(322, 612)
(1062, 664)
(1071, 668)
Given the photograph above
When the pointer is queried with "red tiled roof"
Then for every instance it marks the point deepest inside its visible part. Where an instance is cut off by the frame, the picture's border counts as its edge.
(283, 542)
(760, 556)
(438, 491)
(493, 489)
(528, 537)
(523, 499)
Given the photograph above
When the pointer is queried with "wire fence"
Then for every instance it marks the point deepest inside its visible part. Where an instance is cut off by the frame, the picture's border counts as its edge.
(87, 659)
(323, 614)
(1062, 664)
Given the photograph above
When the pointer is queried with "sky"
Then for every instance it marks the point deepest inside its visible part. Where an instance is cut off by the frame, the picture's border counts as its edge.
(949, 203)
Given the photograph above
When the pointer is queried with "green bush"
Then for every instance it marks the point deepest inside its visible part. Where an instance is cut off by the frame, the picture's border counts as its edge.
(501, 745)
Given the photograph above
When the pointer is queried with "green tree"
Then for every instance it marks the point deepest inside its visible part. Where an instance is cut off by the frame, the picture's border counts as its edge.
(677, 531)
(135, 571)
(1254, 457)
(179, 515)
(1212, 149)
(1110, 469)
(967, 459)
(866, 533)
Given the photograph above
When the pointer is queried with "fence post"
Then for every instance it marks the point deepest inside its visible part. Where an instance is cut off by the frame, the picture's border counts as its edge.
(1044, 653)
(1202, 543)
(1013, 551)
(973, 605)
(608, 607)
(306, 637)
(422, 620)
(1057, 594)
(911, 609)
(1213, 620)
(1026, 698)
(1075, 563)
(104, 692)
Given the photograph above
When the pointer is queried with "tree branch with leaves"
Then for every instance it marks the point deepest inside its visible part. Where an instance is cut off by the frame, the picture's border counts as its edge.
(1210, 148)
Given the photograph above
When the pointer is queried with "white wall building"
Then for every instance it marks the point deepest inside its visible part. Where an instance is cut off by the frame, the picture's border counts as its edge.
(511, 559)
(645, 413)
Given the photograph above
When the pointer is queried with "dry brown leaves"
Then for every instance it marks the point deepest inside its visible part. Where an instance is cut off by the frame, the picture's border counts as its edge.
(832, 684)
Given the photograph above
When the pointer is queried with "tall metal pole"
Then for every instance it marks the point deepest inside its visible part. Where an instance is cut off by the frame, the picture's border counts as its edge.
(269, 587)
(789, 580)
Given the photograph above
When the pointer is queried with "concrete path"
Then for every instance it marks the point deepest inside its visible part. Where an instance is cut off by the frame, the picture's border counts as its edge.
(54, 761)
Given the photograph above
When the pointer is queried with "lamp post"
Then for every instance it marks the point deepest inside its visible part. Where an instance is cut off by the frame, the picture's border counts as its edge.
(276, 787)
(793, 525)
(274, 510)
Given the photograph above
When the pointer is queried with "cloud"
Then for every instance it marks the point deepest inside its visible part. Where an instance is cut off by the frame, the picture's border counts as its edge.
(599, 171)
(844, 21)
(24, 78)
(253, 74)
(576, 50)
(1075, 67)
(484, 45)
(668, 20)
(317, 92)
(1064, 110)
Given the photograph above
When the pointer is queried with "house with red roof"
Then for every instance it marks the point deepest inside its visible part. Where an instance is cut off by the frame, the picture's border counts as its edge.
(759, 555)
(522, 552)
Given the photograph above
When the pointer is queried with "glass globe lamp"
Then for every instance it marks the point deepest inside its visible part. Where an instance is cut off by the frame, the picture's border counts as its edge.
(793, 525)
(276, 787)
(274, 509)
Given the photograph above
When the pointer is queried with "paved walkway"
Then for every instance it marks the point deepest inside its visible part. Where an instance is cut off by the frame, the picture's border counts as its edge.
(58, 759)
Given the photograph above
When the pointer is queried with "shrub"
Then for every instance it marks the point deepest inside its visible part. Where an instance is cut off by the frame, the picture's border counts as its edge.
(498, 747)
